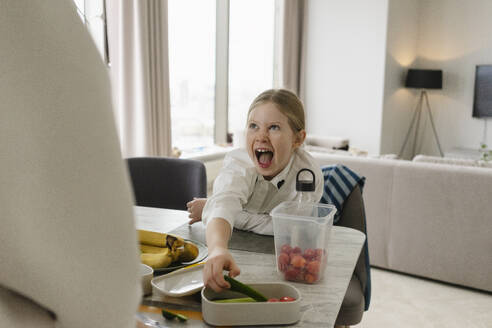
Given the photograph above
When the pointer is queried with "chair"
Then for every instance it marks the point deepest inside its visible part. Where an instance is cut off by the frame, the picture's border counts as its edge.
(166, 182)
(343, 188)
(354, 302)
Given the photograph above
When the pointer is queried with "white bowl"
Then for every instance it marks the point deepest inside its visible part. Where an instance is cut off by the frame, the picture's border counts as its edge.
(146, 274)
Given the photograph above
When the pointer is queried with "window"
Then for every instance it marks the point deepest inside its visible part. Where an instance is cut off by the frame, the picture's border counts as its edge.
(92, 13)
(196, 60)
(250, 56)
(192, 72)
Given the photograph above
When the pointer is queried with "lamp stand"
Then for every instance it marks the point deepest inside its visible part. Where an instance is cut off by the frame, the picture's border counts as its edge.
(416, 119)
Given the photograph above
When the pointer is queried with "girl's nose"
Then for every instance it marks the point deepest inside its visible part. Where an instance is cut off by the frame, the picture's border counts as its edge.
(262, 135)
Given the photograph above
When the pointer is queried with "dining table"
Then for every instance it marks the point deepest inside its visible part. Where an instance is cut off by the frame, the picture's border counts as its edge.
(255, 256)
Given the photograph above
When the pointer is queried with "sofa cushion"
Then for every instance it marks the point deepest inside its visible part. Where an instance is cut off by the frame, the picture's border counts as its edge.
(440, 223)
(327, 142)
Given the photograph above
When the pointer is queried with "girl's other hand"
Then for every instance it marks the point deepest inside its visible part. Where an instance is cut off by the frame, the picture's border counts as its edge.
(195, 208)
(219, 259)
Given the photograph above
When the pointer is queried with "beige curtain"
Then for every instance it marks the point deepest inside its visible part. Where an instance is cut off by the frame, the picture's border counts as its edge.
(288, 44)
(139, 70)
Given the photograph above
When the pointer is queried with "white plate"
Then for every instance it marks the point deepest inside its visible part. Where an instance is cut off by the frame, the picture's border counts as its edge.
(182, 282)
(146, 274)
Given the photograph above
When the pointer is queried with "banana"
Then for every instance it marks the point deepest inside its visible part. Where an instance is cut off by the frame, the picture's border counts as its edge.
(190, 252)
(159, 239)
(153, 249)
(157, 260)
(159, 250)
(177, 254)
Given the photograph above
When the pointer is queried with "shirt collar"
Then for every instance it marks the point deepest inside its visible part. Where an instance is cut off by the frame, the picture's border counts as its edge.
(279, 179)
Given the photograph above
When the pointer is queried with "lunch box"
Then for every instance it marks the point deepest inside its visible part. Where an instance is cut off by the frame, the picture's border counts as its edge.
(255, 313)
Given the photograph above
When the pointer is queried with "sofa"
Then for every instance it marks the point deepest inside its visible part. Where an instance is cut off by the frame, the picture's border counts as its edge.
(427, 219)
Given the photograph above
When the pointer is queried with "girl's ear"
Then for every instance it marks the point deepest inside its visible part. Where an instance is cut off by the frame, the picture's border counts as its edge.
(299, 139)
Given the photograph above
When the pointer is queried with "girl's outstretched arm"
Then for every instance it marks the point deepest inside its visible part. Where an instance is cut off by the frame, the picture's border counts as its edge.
(219, 257)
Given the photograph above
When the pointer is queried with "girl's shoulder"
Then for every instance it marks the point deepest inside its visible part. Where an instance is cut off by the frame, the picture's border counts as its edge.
(303, 158)
(239, 155)
(238, 160)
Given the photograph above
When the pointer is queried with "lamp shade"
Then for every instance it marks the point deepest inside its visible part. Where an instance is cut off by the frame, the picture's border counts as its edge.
(424, 79)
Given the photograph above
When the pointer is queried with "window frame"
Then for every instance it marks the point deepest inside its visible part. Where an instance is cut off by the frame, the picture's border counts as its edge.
(91, 13)
(221, 71)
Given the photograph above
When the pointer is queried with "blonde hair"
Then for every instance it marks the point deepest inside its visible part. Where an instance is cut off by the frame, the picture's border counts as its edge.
(287, 102)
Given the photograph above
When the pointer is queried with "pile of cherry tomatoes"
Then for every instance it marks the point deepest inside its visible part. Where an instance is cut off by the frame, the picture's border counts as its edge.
(301, 265)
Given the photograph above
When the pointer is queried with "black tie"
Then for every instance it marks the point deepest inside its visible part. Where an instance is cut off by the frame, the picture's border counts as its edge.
(280, 183)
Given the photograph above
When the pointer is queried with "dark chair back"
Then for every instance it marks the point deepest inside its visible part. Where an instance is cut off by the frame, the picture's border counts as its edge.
(358, 291)
(343, 188)
(166, 182)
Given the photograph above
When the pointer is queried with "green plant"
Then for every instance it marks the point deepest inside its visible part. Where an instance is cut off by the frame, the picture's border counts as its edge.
(486, 153)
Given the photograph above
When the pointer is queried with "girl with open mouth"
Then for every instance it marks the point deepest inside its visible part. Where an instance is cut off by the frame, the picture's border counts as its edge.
(254, 180)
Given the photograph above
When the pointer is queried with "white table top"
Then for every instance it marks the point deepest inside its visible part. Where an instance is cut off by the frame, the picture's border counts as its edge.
(320, 302)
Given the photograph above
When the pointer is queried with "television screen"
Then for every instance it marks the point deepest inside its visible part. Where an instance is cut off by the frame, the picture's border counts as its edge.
(482, 101)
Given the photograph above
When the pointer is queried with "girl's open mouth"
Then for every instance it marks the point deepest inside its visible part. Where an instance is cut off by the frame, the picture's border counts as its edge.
(264, 157)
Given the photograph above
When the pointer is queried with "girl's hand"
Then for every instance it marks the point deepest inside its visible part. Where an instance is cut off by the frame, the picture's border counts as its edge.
(219, 259)
(195, 208)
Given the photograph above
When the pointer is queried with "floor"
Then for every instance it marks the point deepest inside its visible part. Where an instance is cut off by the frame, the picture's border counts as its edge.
(404, 301)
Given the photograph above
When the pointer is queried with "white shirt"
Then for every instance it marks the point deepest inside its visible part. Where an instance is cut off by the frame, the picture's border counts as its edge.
(244, 198)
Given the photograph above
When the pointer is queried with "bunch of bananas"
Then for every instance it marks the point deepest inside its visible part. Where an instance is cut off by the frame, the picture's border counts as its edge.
(159, 250)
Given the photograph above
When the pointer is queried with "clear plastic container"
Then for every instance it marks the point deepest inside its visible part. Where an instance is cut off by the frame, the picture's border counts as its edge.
(301, 233)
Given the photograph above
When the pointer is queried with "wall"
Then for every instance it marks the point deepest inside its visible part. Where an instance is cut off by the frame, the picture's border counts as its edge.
(455, 35)
(401, 53)
(344, 69)
(357, 55)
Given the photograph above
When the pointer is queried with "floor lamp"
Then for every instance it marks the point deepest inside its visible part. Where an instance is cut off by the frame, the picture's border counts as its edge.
(422, 79)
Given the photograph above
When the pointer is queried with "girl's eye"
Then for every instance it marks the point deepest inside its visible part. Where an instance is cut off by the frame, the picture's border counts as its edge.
(252, 125)
(274, 127)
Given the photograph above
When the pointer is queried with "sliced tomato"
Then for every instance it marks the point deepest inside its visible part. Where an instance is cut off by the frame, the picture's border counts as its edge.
(287, 299)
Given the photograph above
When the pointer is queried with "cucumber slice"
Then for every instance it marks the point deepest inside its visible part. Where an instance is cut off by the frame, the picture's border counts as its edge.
(236, 300)
(245, 289)
(170, 315)
(181, 317)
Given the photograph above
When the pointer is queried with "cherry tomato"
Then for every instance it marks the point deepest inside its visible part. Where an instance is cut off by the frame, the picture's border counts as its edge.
(284, 258)
(319, 252)
(297, 250)
(298, 261)
(310, 278)
(313, 267)
(291, 274)
(287, 299)
(273, 300)
(286, 248)
(283, 262)
(309, 254)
